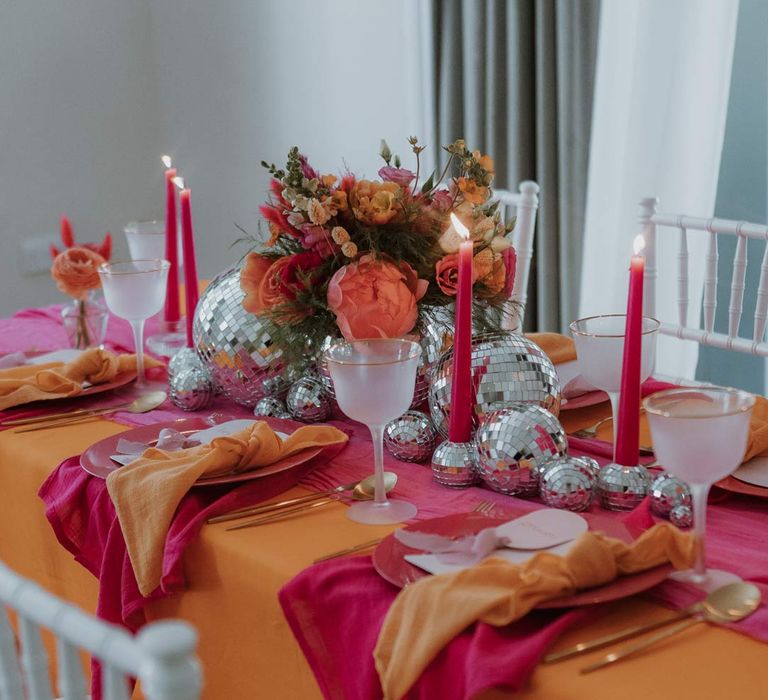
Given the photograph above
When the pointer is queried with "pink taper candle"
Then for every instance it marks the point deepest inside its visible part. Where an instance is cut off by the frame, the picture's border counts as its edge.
(462, 394)
(628, 429)
(172, 313)
(190, 266)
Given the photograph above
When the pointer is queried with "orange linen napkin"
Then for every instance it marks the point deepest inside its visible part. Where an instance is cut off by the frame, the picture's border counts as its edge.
(56, 380)
(430, 613)
(146, 492)
(559, 348)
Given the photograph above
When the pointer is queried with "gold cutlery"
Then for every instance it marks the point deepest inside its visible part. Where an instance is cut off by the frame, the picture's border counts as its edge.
(591, 431)
(349, 550)
(481, 507)
(726, 604)
(142, 404)
(366, 485)
(363, 491)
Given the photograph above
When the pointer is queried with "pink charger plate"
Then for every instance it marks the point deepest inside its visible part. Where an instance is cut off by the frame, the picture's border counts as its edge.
(591, 398)
(735, 485)
(389, 561)
(96, 460)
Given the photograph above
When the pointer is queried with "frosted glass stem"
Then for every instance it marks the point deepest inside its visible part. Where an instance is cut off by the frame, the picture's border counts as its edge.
(138, 340)
(377, 435)
(614, 397)
(699, 493)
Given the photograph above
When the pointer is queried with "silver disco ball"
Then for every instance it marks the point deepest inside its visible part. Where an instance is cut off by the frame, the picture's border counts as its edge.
(506, 368)
(411, 437)
(234, 345)
(512, 444)
(568, 483)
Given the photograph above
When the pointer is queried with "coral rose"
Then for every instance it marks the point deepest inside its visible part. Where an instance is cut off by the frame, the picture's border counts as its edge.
(490, 271)
(447, 274)
(374, 298)
(76, 271)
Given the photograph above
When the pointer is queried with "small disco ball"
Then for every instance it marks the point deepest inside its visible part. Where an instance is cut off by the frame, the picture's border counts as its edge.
(184, 358)
(235, 346)
(411, 437)
(568, 483)
(512, 442)
(507, 369)
(271, 407)
(308, 401)
(622, 488)
(191, 389)
(454, 464)
(666, 492)
(681, 516)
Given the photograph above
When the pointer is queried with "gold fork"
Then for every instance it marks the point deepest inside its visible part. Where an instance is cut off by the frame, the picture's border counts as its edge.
(482, 507)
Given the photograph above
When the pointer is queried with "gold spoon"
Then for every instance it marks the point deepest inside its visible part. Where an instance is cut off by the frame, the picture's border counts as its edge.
(725, 604)
(363, 491)
(142, 404)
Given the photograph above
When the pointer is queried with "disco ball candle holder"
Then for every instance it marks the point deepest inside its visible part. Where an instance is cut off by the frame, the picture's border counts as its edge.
(183, 359)
(622, 488)
(506, 369)
(411, 437)
(191, 389)
(513, 443)
(568, 483)
(454, 464)
(235, 346)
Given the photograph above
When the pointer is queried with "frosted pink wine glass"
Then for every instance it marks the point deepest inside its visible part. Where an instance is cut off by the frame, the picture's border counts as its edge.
(374, 381)
(700, 435)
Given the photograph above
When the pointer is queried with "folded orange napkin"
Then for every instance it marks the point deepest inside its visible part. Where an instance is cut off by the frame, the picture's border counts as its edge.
(56, 380)
(559, 348)
(430, 613)
(146, 492)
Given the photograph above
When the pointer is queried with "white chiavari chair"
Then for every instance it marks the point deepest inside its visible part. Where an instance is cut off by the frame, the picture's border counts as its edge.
(523, 204)
(161, 656)
(655, 224)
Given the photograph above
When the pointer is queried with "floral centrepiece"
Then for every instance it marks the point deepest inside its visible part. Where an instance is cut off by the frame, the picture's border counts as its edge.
(365, 258)
(75, 271)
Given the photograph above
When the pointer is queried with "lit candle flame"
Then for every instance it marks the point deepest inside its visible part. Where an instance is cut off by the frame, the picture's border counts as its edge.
(179, 182)
(167, 162)
(639, 244)
(460, 228)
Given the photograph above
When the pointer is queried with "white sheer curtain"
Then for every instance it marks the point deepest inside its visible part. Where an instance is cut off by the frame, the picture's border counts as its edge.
(661, 97)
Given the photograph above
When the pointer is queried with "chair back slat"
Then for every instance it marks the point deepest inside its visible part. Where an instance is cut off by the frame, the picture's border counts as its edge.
(10, 675)
(34, 661)
(682, 278)
(526, 204)
(656, 224)
(761, 305)
(737, 287)
(162, 656)
(710, 283)
(71, 682)
(113, 683)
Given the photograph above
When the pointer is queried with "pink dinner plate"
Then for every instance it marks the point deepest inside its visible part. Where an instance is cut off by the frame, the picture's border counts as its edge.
(96, 460)
(389, 561)
(734, 485)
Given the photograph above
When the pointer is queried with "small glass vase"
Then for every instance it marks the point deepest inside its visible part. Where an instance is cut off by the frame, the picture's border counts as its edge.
(85, 323)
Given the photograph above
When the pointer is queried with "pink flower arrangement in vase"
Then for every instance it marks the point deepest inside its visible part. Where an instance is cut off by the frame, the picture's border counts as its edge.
(366, 258)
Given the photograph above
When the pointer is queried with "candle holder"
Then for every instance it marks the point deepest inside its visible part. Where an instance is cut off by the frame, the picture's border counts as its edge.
(454, 464)
(622, 488)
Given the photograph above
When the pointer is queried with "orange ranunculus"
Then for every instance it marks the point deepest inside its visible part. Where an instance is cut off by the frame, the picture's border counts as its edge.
(472, 192)
(374, 203)
(490, 271)
(484, 161)
(374, 298)
(75, 271)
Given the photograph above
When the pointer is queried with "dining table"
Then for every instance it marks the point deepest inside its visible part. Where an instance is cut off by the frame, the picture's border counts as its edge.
(229, 582)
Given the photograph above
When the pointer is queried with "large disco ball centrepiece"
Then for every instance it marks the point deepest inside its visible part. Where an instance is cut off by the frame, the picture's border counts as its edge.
(243, 360)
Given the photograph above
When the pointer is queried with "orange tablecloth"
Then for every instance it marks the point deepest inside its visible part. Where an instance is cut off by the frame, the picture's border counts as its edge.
(246, 648)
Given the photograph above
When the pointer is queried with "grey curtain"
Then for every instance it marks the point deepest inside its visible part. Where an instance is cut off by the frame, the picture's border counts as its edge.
(515, 79)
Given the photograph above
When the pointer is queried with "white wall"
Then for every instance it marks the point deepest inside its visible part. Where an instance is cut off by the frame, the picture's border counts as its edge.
(94, 91)
(243, 81)
(79, 128)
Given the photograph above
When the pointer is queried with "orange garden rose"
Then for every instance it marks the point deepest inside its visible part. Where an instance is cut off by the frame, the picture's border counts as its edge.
(374, 203)
(75, 271)
(375, 298)
(264, 284)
